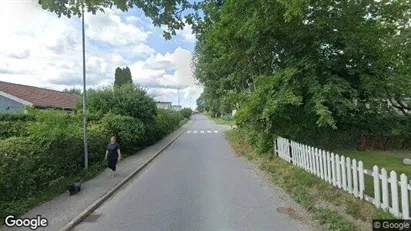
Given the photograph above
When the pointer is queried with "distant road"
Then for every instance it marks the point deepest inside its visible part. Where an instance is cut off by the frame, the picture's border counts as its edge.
(197, 184)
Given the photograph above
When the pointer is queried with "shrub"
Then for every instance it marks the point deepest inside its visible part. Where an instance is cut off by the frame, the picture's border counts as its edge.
(126, 100)
(97, 140)
(164, 123)
(17, 117)
(129, 131)
(18, 160)
(60, 139)
(13, 128)
(186, 112)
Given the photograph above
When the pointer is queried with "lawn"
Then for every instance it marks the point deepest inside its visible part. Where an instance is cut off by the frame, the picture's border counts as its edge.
(222, 121)
(390, 161)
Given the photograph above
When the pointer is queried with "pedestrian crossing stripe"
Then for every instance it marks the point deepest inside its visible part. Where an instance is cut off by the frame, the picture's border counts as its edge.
(202, 132)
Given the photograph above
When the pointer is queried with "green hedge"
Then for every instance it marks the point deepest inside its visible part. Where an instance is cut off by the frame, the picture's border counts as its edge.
(52, 150)
(17, 117)
(13, 128)
(186, 112)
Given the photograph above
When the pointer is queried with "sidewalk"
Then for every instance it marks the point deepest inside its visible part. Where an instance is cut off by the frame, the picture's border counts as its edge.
(62, 209)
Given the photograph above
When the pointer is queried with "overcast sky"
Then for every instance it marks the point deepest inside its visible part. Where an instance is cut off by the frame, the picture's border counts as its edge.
(39, 49)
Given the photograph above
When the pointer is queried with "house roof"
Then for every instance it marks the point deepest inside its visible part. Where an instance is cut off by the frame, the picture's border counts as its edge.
(40, 97)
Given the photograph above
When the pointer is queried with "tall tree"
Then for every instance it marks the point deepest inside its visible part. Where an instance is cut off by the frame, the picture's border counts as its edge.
(122, 76)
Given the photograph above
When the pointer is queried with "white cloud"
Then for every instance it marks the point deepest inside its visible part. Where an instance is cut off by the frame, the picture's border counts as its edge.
(109, 27)
(38, 48)
(169, 70)
(187, 34)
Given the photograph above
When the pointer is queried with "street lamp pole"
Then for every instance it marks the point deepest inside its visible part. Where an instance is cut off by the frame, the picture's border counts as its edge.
(84, 95)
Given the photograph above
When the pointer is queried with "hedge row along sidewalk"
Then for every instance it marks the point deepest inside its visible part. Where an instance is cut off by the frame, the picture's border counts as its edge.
(333, 208)
(65, 208)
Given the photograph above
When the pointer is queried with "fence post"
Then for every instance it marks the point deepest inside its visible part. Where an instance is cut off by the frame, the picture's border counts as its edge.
(275, 147)
(334, 171)
(290, 153)
(324, 155)
(394, 194)
(377, 199)
(305, 157)
(354, 176)
(349, 175)
(320, 155)
(337, 165)
(343, 173)
(317, 163)
(361, 178)
(404, 197)
(384, 184)
(312, 166)
(329, 167)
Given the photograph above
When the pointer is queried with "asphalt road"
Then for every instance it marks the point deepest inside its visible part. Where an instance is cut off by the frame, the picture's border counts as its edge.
(196, 184)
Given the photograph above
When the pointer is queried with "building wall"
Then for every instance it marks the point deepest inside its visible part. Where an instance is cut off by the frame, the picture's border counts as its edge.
(176, 108)
(164, 106)
(12, 105)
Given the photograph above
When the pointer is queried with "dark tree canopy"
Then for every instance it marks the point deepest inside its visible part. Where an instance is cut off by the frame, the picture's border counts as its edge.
(122, 76)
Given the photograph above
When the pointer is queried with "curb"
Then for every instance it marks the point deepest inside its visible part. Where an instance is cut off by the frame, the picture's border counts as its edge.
(105, 196)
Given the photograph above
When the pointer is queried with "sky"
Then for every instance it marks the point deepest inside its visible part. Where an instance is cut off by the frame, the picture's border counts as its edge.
(39, 49)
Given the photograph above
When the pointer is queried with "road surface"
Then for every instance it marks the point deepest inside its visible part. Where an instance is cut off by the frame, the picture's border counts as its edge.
(196, 184)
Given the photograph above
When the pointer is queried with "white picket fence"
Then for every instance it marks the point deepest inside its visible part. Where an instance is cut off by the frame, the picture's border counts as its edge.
(348, 175)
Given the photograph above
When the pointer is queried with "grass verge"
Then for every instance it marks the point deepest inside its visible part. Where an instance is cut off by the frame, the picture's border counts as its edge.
(222, 121)
(333, 208)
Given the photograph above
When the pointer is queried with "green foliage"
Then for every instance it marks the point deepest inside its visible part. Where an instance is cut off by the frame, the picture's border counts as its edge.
(164, 123)
(17, 117)
(13, 128)
(296, 69)
(125, 100)
(166, 13)
(53, 126)
(129, 131)
(73, 91)
(186, 112)
(122, 77)
(17, 158)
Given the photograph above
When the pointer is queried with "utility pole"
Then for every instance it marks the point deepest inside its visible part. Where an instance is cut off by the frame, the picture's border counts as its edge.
(178, 90)
(84, 95)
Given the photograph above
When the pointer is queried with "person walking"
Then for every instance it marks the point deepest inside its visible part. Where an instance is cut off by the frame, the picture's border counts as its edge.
(113, 155)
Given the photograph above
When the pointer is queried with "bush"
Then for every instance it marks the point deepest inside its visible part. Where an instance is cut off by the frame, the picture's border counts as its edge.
(97, 140)
(17, 117)
(164, 123)
(186, 112)
(129, 131)
(126, 100)
(13, 128)
(18, 161)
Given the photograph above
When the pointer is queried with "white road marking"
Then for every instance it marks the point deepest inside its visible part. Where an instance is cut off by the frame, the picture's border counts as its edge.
(195, 131)
(189, 132)
(215, 131)
(202, 131)
(208, 131)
